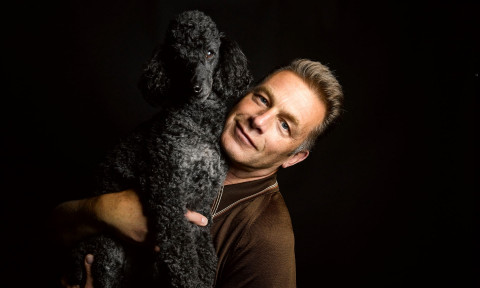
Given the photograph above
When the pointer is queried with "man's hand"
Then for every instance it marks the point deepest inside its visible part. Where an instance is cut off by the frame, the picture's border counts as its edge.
(88, 270)
(196, 218)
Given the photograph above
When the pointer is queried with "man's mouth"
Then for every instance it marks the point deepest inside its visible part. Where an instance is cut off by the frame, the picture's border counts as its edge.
(244, 136)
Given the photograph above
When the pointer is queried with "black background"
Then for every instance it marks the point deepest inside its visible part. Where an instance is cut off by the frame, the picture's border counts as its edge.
(387, 197)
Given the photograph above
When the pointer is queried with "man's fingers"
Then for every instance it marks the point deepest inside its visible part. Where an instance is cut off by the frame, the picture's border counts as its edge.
(196, 218)
(88, 275)
(88, 270)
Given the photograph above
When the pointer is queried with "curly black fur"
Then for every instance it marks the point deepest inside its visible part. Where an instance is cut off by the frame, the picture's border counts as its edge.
(174, 160)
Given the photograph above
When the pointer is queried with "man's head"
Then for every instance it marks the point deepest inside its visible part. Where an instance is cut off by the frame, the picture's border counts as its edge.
(276, 123)
(324, 84)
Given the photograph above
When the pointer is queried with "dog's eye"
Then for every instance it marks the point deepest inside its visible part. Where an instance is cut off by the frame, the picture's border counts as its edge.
(210, 54)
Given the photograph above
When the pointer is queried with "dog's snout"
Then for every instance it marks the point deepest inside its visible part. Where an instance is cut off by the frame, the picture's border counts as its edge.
(197, 89)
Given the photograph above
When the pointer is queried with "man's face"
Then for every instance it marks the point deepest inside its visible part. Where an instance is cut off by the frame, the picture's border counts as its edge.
(270, 122)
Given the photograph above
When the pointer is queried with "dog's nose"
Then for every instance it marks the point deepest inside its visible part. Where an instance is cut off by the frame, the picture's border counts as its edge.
(197, 89)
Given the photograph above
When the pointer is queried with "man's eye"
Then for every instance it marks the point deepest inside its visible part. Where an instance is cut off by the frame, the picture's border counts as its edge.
(210, 54)
(263, 100)
(285, 125)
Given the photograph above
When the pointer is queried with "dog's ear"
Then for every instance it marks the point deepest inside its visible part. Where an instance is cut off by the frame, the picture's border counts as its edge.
(154, 81)
(232, 78)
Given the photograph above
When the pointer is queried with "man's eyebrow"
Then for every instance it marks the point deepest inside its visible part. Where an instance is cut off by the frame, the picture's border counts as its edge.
(263, 89)
(289, 116)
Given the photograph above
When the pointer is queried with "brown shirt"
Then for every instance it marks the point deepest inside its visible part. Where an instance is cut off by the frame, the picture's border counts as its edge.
(253, 236)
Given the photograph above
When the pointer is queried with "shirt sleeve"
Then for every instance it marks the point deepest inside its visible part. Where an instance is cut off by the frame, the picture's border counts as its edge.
(264, 256)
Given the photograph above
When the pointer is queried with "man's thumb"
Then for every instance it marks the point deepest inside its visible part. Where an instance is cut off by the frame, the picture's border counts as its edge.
(89, 259)
(88, 271)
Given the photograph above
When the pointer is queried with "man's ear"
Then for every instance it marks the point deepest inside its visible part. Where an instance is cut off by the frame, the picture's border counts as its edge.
(297, 157)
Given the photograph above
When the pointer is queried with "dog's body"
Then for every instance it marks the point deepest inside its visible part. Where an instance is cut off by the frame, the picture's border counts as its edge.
(174, 161)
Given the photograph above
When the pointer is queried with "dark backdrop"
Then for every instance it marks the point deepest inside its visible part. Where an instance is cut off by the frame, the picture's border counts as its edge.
(386, 199)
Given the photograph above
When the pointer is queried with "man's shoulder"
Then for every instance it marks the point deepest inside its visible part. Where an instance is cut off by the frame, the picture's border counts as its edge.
(253, 211)
(272, 214)
(264, 212)
(270, 229)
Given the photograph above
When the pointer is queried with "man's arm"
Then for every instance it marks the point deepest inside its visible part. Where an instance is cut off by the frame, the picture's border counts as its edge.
(120, 211)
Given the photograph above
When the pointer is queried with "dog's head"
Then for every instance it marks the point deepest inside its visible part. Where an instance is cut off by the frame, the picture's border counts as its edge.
(194, 59)
(183, 67)
(192, 48)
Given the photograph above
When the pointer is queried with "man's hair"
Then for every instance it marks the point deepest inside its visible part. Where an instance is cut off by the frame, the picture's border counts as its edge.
(321, 80)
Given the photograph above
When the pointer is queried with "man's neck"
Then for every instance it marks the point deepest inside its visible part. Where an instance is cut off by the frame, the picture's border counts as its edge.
(235, 176)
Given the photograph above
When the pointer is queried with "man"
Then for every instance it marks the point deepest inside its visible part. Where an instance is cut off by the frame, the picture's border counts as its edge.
(275, 125)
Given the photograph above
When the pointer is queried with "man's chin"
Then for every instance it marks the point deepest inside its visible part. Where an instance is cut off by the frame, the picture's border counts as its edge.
(236, 155)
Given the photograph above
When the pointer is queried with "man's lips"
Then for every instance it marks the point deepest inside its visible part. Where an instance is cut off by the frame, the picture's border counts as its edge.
(244, 136)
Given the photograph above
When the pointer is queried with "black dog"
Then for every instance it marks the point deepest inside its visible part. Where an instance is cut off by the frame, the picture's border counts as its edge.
(174, 160)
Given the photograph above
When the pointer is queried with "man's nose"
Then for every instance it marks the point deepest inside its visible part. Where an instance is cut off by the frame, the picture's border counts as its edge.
(262, 121)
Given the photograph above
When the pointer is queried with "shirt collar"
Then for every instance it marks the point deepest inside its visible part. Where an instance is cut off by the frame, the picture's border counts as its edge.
(235, 192)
